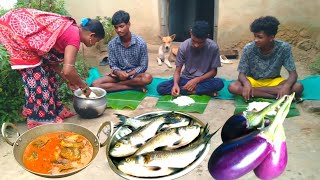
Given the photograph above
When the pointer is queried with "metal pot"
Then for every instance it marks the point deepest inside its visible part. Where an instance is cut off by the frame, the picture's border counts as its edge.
(90, 107)
(23, 140)
(123, 130)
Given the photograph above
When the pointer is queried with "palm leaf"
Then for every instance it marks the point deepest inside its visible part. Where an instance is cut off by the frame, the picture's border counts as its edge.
(199, 106)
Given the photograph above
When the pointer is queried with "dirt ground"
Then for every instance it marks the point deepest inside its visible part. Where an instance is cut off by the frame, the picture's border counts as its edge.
(302, 133)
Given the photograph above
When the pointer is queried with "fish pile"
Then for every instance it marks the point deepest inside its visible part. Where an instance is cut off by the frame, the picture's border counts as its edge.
(251, 144)
(158, 144)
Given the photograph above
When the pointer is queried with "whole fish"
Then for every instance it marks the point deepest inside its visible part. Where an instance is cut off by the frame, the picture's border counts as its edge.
(136, 123)
(130, 143)
(171, 139)
(162, 163)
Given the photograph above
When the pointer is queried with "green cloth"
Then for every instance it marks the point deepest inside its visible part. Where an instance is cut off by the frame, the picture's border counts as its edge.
(224, 92)
(152, 88)
(93, 75)
(125, 99)
(199, 106)
(241, 105)
(311, 86)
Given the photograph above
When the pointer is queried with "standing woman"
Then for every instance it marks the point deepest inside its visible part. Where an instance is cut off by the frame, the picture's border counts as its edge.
(38, 42)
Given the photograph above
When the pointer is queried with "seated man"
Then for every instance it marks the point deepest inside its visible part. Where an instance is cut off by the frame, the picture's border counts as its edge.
(261, 62)
(200, 58)
(128, 59)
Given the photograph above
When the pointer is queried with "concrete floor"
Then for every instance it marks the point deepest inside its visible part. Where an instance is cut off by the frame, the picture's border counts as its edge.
(302, 133)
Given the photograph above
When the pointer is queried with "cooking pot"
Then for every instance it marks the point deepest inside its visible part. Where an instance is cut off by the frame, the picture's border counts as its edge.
(90, 107)
(123, 130)
(23, 140)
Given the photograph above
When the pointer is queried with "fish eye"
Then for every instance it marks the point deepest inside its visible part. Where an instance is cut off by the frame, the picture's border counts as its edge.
(128, 160)
(117, 145)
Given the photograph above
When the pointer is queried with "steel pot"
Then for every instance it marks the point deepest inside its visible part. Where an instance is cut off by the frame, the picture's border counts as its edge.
(123, 130)
(90, 107)
(23, 140)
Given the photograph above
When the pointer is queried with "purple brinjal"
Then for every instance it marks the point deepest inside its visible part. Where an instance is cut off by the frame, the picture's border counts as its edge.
(239, 156)
(244, 123)
(276, 161)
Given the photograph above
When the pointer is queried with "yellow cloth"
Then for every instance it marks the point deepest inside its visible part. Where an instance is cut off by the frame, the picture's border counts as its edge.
(265, 82)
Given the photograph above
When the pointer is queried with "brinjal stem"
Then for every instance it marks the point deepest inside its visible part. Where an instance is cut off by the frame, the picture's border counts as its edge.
(257, 118)
(279, 118)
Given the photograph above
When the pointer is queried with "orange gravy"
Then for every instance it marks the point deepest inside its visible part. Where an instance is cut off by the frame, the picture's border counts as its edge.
(57, 153)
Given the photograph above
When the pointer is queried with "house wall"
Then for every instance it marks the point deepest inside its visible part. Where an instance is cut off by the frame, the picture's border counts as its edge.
(299, 19)
(144, 14)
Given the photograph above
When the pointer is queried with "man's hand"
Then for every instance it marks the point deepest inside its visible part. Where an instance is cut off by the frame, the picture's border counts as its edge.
(175, 91)
(122, 75)
(284, 90)
(247, 92)
(191, 85)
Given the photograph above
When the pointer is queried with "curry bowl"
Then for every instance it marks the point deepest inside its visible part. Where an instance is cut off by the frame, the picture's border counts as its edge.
(91, 107)
(124, 130)
(23, 140)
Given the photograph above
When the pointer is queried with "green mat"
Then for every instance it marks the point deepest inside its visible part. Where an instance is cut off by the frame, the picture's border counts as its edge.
(223, 94)
(199, 106)
(152, 88)
(311, 86)
(241, 106)
(125, 99)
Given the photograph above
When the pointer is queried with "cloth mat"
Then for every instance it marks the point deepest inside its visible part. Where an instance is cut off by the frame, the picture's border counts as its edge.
(118, 100)
(241, 105)
(311, 86)
(199, 106)
(223, 94)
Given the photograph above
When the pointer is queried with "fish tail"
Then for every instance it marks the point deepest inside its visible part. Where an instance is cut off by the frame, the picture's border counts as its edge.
(122, 119)
(206, 136)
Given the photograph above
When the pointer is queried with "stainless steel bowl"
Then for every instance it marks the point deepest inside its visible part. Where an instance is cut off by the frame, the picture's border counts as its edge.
(90, 107)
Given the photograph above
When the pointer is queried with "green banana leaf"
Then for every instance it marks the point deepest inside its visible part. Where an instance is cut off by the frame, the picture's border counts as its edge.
(125, 99)
(201, 102)
(241, 106)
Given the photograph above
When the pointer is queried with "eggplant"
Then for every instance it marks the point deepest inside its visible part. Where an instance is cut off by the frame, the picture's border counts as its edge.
(276, 161)
(239, 156)
(244, 123)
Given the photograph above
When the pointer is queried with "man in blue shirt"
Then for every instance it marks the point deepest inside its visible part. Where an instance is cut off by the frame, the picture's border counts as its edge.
(261, 62)
(128, 59)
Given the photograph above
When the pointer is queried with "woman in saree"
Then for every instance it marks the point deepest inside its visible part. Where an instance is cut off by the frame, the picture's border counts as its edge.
(37, 43)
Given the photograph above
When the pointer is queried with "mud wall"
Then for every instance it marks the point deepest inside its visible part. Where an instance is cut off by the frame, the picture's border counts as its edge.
(144, 14)
(299, 20)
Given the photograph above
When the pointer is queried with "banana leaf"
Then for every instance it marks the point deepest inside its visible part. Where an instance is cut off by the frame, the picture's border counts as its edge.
(201, 102)
(125, 99)
(241, 105)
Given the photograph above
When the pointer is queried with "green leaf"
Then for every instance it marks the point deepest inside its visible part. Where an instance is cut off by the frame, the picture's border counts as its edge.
(199, 106)
(241, 106)
(125, 99)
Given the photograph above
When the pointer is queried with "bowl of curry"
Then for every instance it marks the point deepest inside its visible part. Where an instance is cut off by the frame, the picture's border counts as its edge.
(55, 150)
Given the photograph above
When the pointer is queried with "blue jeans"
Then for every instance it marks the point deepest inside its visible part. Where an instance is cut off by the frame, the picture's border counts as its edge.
(206, 87)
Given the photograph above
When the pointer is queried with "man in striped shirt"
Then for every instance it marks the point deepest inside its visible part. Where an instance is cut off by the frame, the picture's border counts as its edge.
(128, 59)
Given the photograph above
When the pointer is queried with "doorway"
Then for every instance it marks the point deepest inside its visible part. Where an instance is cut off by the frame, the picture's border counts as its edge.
(183, 13)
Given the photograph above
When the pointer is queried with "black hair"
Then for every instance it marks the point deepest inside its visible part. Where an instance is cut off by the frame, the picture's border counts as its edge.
(200, 29)
(94, 26)
(267, 24)
(120, 17)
